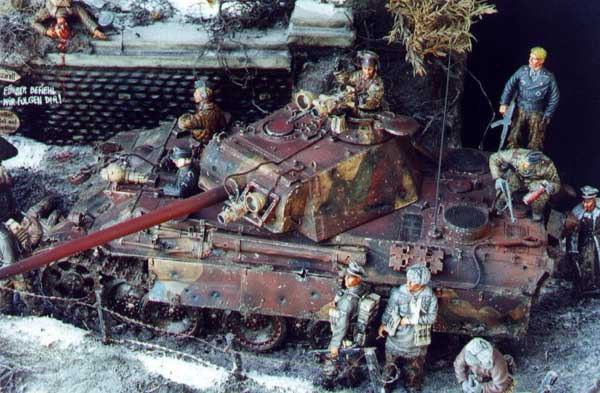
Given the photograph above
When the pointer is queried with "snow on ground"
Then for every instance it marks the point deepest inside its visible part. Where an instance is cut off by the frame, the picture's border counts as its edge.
(194, 375)
(42, 331)
(71, 360)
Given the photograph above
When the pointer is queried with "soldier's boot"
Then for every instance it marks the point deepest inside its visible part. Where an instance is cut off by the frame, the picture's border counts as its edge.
(328, 375)
(391, 373)
(413, 374)
(6, 298)
(537, 207)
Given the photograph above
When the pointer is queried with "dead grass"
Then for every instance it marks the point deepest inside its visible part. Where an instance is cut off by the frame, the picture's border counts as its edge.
(434, 27)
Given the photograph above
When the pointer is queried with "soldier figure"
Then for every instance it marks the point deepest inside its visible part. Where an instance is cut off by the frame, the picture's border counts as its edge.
(585, 242)
(60, 11)
(480, 368)
(207, 120)
(368, 86)
(7, 203)
(186, 182)
(525, 170)
(349, 321)
(537, 98)
(407, 320)
(17, 240)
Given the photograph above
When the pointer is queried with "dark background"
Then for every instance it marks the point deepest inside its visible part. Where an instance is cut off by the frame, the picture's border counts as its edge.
(570, 32)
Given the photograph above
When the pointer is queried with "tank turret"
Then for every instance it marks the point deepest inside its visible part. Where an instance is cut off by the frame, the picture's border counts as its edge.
(301, 175)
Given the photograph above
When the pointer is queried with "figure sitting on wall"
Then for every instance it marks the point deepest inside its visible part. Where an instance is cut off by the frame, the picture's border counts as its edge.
(186, 181)
(208, 119)
(367, 85)
(480, 368)
(527, 170)
(58, 12)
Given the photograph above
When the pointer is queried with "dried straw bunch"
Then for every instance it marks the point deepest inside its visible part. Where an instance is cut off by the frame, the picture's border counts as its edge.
(433, 27)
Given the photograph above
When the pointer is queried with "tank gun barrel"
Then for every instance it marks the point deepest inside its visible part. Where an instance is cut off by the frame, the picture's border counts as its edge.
(172, 210)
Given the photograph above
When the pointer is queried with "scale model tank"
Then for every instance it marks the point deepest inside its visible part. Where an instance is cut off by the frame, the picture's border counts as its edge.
(287, 203)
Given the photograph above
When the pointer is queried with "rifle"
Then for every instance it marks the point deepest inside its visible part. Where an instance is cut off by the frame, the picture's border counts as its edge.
(373, 367)
(505, 122)
(505, 189)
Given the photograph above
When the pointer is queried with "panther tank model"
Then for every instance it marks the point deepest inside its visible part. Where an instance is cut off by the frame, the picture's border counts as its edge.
(286, 204)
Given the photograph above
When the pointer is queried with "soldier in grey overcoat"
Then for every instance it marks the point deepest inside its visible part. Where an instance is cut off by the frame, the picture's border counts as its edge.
(536, 94)
(585, 242)
(407, 320)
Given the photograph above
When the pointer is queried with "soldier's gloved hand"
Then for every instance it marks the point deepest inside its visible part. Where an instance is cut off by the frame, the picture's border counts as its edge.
(549, 187)
(466, 388)
(545, 121)
(498, 184)
(5, 179)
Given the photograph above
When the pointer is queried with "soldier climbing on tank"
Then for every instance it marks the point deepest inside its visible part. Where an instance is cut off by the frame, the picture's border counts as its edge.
(366, 83)
(186, 180)
(17, 241)
(407, 320)
(536, 95)
(354, 308)
(58, 13)
(585, 242)
(481, 368)
(207, 119)
(527, 170)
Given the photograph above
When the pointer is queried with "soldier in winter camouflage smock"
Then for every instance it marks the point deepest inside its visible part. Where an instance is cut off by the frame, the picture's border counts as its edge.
(527, 170)
(366, 82)
(407, 320)
(481, 368)
(536, 93)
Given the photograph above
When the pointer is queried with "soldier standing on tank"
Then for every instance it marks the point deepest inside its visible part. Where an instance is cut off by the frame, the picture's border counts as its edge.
(368, 86)
(186, 181)
(60, 11)
(208, 119)
(585, 242)
(529, 170)
(346, 330)
(410, 313)
(537, 98)
(480, 368)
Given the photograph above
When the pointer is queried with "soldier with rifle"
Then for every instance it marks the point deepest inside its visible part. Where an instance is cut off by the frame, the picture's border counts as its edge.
(528, 170)
(536, 95)
(354, 308)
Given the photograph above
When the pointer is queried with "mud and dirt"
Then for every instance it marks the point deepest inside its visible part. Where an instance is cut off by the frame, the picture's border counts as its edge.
(45, 355)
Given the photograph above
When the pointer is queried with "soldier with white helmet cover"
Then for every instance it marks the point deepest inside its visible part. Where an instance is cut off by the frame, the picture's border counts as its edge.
(407, 320)
(481, 368)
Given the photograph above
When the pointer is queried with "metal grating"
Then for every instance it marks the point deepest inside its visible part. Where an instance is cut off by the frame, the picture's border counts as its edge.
(98, 103)
(411, 227)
